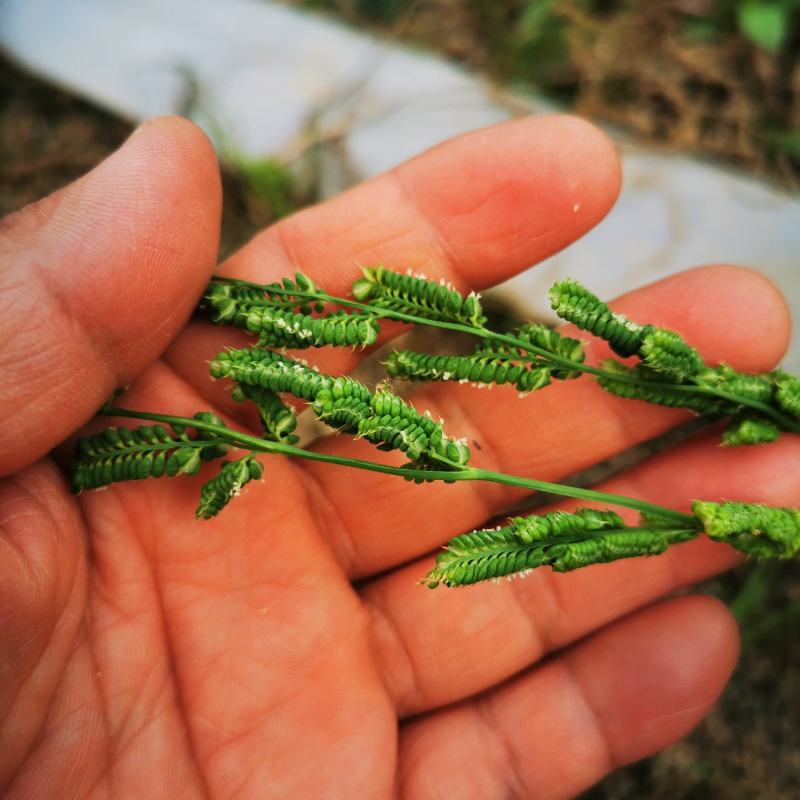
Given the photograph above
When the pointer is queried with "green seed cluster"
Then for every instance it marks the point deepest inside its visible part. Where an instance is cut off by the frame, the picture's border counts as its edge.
(226, 298)
(283, 320)
(787, 392)
(395, 424)
(386, 420)
(750, 429)
(578, 305)
(539, 335)
(753, 528)
(278, 419)
(723, 391)
(493, 363)
(642, 383)
(664, 351)
(761, 388)
(482, 369)
(559, 523)
(417, 296)
(220, 490)
(148, 451)
(276, 328)
(672, 372)
(345, 404)
(564, 541)
(256, 366)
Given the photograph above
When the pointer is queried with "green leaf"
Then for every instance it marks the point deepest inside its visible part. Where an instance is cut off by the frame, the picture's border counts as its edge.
(534, 16)
(766, 24)
(701, 31)
(784, 141)
(541, 49)
(272, 182)
(384, 11)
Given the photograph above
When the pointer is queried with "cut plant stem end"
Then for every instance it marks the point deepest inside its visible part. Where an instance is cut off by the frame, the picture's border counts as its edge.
(258, 445)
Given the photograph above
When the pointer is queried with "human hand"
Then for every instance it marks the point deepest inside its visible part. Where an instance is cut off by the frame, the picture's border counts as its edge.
(145, 654)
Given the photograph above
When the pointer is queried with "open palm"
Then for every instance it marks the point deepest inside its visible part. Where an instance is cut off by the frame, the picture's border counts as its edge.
(144, 654)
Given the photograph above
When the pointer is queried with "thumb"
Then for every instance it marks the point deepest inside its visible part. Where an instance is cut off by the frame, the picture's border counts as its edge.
(96, 280)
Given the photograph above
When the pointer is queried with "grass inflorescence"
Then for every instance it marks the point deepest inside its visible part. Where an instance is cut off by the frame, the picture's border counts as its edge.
(296, 314)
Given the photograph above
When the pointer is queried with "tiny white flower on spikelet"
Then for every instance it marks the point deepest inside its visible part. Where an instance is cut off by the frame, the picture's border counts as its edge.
(634, 327)
(446, 376)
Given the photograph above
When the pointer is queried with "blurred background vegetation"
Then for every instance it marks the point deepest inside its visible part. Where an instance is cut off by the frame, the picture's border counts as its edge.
(719, 78)
(714, 77)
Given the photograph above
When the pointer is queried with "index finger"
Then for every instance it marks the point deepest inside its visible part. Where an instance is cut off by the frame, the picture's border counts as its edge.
(475, 211)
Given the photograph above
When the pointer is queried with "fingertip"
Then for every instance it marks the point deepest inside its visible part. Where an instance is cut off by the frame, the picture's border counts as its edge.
(591, 150)
(183, 146)
(766, 321)
(505, 197)
(709, 637)
(579, 161)
(733, 314)
(98, 279)
(170, 167)
(670, 664)
(160, 194)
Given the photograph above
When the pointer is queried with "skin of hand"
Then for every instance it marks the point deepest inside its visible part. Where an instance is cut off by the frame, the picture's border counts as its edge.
(283, 649)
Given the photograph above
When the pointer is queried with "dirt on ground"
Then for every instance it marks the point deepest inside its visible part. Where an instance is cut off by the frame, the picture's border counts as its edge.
(750, 745)
(677, 72)
(49, 137)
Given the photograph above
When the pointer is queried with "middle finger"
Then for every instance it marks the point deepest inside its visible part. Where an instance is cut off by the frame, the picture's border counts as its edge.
(436, 647)
(375, 522)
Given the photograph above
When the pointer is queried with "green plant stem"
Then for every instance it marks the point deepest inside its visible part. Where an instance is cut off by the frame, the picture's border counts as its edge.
(783, 421)
(259, 445)
(754, 593)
